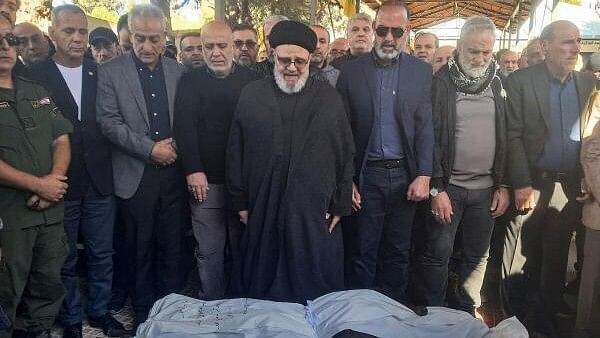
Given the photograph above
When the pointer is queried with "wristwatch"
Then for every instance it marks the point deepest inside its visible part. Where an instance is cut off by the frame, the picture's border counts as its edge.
(434, 192)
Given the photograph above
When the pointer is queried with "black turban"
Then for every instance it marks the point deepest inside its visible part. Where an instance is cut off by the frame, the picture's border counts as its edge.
(293, 33)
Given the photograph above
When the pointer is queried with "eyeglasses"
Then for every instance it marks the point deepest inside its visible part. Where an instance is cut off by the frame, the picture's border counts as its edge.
(382, 31)
(249, 44)
(33, 39)
(286, 62)
(11, 40)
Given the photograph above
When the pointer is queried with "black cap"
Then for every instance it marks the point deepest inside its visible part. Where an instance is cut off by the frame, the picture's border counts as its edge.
(103, 33)
(293, 33)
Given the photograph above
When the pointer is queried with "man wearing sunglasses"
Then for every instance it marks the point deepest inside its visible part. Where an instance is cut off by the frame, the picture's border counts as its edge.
(289, 173)
(34, 157)
(388, 98)
(33, 46)
(244, 45)
(190, 50)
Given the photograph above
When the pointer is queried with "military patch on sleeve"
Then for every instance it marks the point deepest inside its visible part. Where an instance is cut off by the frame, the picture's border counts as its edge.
(55, 112)
(41, 102)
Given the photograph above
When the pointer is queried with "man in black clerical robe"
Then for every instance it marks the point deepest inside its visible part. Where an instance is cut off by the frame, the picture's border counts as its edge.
(289, 173)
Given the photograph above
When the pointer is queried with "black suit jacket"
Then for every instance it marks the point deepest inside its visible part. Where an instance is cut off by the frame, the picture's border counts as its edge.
(357, 82)
(528, 120)
(90, 151)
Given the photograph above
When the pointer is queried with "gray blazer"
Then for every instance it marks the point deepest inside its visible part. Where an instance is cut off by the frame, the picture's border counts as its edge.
(123, 117)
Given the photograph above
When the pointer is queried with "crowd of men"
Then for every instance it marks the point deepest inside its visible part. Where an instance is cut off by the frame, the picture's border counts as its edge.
(330, 165)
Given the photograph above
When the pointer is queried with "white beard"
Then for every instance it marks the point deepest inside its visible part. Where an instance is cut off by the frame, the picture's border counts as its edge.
(386, 56)
(220, 71)
(470, 71)
(280, 80)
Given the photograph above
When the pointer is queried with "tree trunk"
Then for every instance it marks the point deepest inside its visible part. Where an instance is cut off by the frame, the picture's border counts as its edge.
(165, 5)
(245, 9)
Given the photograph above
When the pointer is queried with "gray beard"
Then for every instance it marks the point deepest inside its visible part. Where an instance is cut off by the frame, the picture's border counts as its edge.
(472, 72)
(279, 79)
(386, 56)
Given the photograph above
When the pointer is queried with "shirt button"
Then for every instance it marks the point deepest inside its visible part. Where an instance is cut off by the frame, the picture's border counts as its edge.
(153, 95)
(150, 76)
(155, 114)
(156, 133)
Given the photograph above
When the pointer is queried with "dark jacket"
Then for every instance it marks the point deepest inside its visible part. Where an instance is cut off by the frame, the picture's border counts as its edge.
(90, 151)
(443, 94)
(356, 84)
(528, 119)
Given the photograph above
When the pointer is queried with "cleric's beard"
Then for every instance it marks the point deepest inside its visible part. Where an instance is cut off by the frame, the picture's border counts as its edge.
(297, 87)
(470, 71)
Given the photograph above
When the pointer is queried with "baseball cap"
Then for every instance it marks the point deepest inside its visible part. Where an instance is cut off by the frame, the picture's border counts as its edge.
(102, 33)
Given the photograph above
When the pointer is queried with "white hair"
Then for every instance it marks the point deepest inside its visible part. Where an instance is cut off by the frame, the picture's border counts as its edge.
(359, 17)
(273, 19)
(477, 24)
(146, 11)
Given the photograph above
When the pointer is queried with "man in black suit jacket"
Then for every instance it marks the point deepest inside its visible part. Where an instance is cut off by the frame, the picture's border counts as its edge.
(89, 203)
(545, 115)
(388, 100)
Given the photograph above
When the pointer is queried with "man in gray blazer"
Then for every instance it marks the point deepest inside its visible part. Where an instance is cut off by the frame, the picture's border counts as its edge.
(136, 95)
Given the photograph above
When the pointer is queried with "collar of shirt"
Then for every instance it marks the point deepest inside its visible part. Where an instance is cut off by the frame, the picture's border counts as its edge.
(377, 60)
(554, 80)
(140, 65)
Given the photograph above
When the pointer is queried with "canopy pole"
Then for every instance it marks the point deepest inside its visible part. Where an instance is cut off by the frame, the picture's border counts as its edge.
(357, 6)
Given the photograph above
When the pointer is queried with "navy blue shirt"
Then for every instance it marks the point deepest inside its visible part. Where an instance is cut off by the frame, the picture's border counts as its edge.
(386, 139)
(561, 151)
(157, 101)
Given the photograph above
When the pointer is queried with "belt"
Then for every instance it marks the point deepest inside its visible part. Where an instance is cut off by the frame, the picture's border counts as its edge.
(386, 164)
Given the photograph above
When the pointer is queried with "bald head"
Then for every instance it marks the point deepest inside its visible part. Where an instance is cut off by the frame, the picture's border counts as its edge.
(337, 48)
(441, 56)
(217, 47)
(35, 48)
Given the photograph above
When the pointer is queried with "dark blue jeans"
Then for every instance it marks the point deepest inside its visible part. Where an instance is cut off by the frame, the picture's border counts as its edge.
(473, 222)
(93, 218)
(379, 234)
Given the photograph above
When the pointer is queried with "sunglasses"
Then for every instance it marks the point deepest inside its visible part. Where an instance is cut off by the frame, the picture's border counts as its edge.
(286, 62)
(11, 40)
(249, 44)
(382, 31)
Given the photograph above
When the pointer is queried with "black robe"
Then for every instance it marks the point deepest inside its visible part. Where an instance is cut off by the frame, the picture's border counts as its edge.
(289, 163)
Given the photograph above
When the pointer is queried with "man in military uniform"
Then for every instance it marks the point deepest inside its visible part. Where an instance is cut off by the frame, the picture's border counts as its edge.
(34, 157)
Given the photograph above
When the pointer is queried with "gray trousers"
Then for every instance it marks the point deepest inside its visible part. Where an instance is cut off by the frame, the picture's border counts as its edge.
(536, 248)
(588, 305)
(214, 226)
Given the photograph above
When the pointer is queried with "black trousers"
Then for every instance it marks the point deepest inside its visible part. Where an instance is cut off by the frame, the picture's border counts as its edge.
(473, 222)
(536, 248)
(379, 235)
(154, 222)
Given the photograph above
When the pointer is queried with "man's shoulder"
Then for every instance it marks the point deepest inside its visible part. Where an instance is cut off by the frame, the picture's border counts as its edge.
(526, 74)
(248, 73)
(31, 86)
(116, 63)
